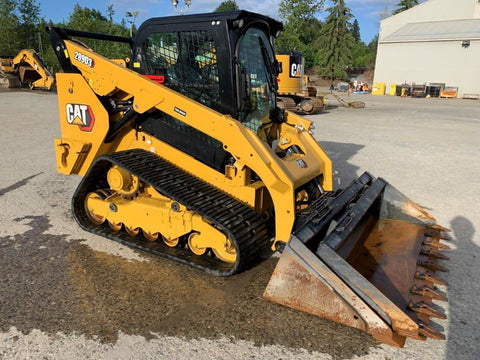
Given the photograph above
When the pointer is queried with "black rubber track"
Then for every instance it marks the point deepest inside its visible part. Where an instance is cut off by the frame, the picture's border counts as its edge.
(240, 223)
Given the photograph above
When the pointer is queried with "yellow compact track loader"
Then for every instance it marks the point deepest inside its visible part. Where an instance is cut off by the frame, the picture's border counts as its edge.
(184, 153)
(28, 70)
(294, 94)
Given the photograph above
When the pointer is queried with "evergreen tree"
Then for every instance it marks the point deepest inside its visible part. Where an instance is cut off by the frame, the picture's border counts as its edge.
(373, 44)
(29, 20)
(356, 31)
(83, 18)
(404, 5)
(8, 28)
(335, 53)
(301, 27)
(227, 5)
(296, 11)
(86, 19)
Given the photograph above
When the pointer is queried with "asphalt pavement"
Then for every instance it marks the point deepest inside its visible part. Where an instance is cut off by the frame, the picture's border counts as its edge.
(65, 293)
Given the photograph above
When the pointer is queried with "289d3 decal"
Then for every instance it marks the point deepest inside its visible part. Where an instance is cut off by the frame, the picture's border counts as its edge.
(84, 59)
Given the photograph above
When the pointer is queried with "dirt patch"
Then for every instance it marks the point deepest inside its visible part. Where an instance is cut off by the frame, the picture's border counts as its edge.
(54, 285)
(35, 284)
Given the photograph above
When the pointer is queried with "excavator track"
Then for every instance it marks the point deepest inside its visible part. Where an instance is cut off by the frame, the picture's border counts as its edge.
(304, 105)
(243, 226)
(9, 81)
(318, 105)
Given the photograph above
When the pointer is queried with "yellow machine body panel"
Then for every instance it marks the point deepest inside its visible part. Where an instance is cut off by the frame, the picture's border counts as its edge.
(84, 119)
(294, 93)
(6, 65)
(291, 80)
(83, 124)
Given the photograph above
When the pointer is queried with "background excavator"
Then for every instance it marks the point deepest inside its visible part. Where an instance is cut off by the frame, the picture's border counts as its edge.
(294, 94)
(7, 73)
(26, 69)
(184, 153)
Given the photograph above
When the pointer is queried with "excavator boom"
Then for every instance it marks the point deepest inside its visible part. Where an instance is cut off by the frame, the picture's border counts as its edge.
(32, 71)
(25, 69)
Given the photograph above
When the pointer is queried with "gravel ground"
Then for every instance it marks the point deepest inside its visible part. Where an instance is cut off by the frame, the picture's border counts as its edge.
(69, 294)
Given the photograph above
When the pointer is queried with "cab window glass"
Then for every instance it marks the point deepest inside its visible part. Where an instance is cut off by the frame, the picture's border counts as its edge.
(188, 62)
(258, 80)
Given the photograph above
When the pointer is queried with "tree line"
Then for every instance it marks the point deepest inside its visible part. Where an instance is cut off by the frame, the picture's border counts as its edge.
(332, 48)
(22, 27)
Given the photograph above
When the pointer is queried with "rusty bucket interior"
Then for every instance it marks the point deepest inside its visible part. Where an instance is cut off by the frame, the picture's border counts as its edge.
(28, 74)
(365, 257)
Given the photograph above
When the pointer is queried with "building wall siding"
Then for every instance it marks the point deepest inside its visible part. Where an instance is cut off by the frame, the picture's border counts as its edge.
(430, 62)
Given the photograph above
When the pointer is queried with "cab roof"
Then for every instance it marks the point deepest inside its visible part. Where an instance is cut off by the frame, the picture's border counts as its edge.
(274, 25)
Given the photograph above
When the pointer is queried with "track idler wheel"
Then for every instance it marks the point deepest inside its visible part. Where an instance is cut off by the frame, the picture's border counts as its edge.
(97, 219)
(227, 254)
(122, 182)
(193, 246)
(305, 106)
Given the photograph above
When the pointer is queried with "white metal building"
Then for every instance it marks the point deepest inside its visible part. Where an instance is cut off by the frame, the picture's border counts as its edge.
(437, 41)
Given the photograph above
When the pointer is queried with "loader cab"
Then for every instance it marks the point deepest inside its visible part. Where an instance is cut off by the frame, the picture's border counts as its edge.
(222, 60)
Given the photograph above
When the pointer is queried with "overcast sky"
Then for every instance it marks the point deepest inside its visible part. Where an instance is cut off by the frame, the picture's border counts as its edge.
(367, 12)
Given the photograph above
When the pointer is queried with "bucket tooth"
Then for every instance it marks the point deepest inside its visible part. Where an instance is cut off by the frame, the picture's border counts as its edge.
(428, 276)
(438, 227)
(427, 251)
(423, 308)
(435, 243)
(427, 331)
(431, 265)
(445, 236)
(438, 234)
(427, 291)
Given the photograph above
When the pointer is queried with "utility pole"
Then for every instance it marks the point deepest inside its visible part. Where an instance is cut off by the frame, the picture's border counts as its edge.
(40, 46)
(182, 11)
(131, 16)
